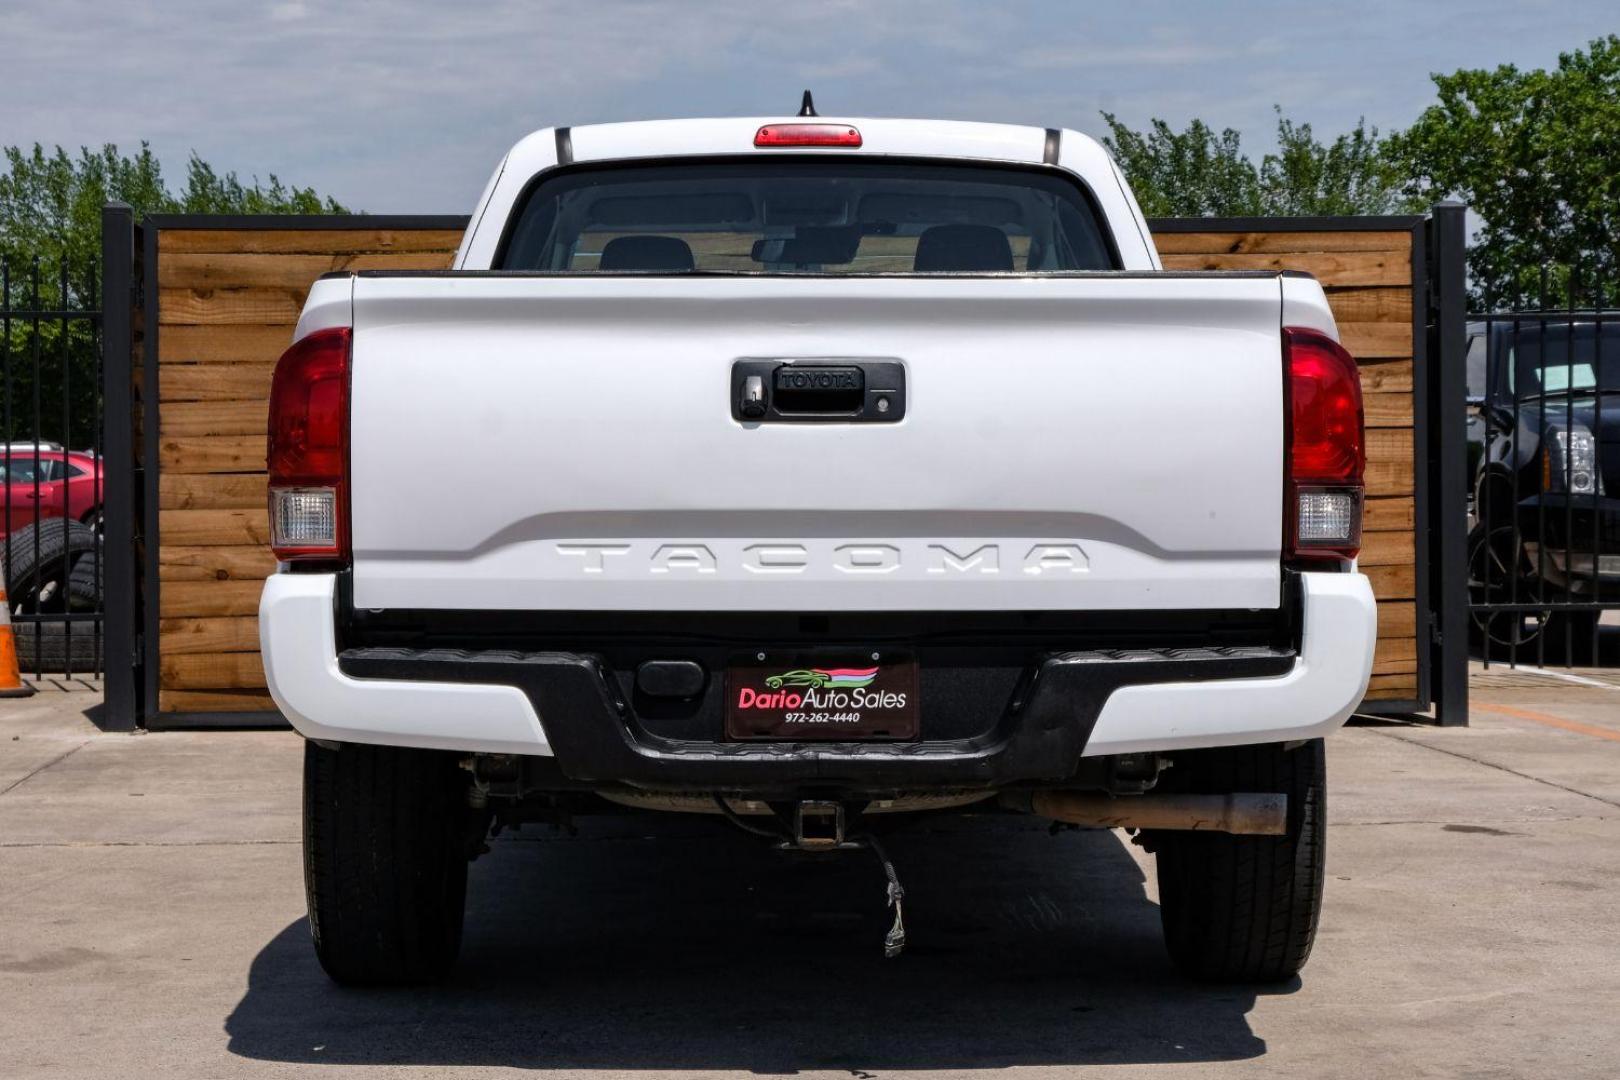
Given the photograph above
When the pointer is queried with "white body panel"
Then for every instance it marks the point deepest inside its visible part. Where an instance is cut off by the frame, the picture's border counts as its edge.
(1339, 619)
(1099, 443)
(298, 638)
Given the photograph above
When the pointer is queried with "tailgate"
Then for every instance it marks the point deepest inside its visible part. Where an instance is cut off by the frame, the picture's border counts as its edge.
(1107, 442)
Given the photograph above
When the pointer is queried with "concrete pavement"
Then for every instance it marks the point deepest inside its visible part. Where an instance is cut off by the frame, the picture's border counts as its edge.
(151, 924)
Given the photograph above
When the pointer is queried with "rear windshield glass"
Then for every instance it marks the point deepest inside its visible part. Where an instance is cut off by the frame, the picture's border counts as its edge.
(807, 217)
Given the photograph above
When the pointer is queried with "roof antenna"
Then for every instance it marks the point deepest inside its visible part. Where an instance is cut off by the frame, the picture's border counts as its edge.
(807, 107)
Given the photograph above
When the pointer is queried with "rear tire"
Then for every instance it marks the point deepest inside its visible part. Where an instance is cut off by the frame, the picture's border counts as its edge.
(386, 845)
(1244, 909)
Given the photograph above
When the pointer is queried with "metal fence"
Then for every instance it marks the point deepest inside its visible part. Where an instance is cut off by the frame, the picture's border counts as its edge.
(52, 484)
(1543, 457)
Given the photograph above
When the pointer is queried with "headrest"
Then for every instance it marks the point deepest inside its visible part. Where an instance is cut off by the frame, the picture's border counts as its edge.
(646, 253)
(963, 248)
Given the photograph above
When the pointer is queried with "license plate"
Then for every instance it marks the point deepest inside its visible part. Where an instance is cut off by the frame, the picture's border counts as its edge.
(822, 696)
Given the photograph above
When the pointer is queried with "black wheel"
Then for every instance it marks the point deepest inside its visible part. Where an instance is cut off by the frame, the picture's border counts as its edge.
(49, 648)
(39, 558)
(1244, 908)
(1499, 572)
(386, 844)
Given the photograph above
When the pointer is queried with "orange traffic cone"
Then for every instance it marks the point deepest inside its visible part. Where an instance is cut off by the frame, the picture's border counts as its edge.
(11, 684)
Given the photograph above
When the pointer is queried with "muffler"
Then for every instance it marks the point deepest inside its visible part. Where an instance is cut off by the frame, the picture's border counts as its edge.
(1245, 812)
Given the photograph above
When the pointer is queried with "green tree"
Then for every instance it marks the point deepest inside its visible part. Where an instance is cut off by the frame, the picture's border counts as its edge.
(1197, 172)
(50, 252)
(1535, 154)
(1351, 175)
(207, 192)
(1191, 173)
(50, 202)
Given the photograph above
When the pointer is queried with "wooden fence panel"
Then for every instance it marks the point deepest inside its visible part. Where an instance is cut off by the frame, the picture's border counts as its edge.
(1368, 277)
(227, 299)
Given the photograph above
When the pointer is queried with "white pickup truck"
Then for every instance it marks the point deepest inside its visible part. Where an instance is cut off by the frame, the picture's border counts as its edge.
(811, 473)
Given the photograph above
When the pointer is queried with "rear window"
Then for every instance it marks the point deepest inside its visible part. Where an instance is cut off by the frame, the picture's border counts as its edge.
(807, 216)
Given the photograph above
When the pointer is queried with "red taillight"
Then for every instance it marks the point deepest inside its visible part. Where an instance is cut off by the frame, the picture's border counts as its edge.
(309, 449)
(777, 135)
(1326, 450)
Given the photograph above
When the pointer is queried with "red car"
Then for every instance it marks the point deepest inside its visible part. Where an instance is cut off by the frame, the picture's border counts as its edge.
(48, 482)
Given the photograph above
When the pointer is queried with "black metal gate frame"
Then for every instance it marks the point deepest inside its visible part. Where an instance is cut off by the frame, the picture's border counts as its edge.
(120, 296)
(1444, 457)
(133, 588)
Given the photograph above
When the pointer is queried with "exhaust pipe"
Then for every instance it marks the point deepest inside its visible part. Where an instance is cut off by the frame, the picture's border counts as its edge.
(1244, 813)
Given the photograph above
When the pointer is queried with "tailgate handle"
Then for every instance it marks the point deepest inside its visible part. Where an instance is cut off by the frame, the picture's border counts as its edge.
(825, 391)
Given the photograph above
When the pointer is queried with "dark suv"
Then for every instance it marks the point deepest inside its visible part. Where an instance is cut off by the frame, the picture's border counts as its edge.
(1544, 452)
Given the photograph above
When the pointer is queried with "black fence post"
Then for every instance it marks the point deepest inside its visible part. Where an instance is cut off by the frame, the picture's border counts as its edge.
(1447, 462)
(120, 636)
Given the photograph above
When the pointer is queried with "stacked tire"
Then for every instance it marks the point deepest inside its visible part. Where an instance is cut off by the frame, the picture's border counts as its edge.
(54, 567)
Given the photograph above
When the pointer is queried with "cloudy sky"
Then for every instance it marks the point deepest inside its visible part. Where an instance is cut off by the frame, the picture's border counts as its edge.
(406, 105)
